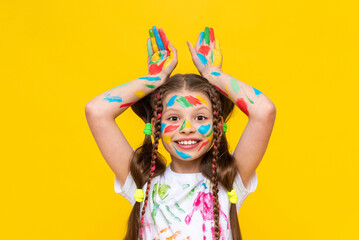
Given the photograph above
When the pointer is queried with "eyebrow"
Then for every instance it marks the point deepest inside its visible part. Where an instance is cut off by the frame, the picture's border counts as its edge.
(178, 109)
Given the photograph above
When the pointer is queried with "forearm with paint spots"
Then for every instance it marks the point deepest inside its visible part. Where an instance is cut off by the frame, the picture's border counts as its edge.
(251, 101)
(116, 100)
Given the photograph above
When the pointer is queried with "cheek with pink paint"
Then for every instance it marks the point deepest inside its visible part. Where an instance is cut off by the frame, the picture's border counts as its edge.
(170, 128)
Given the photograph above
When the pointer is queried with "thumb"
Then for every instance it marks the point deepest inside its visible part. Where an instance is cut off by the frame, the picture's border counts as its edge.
(191, 49)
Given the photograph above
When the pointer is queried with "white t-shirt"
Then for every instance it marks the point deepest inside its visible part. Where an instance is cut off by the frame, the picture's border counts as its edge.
(180, 206)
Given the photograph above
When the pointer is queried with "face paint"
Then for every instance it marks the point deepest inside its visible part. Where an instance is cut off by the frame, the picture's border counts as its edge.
(151, 78)
(185, 124)
(184, 102)
(163, 125)
(203, 129)
(257, 92)
(167, 139)
(182, 154)
(171, 101)
(140, 94)
(126, 104)
(203, 144)
(216, 73)
(242, 105)
(170, 128)
(193, 100)
(110, 98)
(150, 86)
(202, 100)
(209, 134)
(235, 85)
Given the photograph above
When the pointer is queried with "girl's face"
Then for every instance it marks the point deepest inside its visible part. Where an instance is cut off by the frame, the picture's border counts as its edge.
(186, 127)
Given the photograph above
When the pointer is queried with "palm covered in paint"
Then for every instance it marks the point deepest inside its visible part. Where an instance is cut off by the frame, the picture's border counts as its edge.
(206, 55)
(162, 56)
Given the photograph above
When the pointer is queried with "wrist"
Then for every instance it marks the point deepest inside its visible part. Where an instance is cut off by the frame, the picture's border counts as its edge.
(212, 73)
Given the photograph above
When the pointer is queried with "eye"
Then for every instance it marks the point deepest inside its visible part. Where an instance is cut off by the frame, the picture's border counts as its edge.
(174, 118)
(200, 118)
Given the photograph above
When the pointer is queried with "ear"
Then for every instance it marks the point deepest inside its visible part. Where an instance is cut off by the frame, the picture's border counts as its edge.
(221, 121)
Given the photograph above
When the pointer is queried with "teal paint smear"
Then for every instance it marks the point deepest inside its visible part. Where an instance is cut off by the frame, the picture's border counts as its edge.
(202, 58)
(151, 78)
(163, 125)
(204, 185)
(158, 38)
(235, 85)
(179, 208)
(184, 102)
(150, 86)
(171, 101)
(174, 216)
(184, 186)
(216, 73)
(110, 98)
(257, 92)
(120, 85)
(182, 154)
(204, 128)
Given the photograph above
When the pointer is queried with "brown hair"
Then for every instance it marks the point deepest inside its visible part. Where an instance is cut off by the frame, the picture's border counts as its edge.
(148, 163)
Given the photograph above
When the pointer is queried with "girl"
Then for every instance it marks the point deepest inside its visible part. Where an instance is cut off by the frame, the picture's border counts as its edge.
(198, 195)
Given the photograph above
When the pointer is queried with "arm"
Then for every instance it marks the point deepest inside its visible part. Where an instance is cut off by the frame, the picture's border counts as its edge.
(102, 111)
(259, 108)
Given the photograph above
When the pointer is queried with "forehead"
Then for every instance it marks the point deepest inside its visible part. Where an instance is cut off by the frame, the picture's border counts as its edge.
(184, 99)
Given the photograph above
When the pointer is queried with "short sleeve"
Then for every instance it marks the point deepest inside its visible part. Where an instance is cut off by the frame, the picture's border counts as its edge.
(128, 190)
(242, 191)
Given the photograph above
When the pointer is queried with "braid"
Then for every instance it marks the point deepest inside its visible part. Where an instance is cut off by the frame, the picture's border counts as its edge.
(157, 114)
(216, 133)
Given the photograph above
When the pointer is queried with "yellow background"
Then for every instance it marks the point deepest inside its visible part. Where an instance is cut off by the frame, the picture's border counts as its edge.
(55, 56)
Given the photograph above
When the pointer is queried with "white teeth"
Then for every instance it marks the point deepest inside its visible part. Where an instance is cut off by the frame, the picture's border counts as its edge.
(187, 142)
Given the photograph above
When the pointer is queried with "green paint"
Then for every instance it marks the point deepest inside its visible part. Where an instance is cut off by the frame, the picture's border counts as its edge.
(183, 124)
(249, 100)
(209, 134)
(190, 194)
(174, 216)
(150, 86)
(183, 102)
(179, 208)
(212, 56)
(120, 85)
(162, 191)
(206, 35)
(235, 85)
(184, 186)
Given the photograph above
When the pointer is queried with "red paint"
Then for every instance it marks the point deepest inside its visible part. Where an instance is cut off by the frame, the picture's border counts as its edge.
(193, 100)
(170, 128)
(224, 93)
(126, 104)
(155, 69)
(164, 38)
(242, 105)
(204, 50)
(203, 145)
(211, 35)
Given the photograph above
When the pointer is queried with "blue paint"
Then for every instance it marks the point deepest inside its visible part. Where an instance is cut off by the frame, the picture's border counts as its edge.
(171, 101)
(201, 35)
(215, 73)
(257, 92)
(204, 185)
(181, 154)
(203, 129)
(110, 98)
(158, 39)
(151, 78)
(202, 58)
(163, 125)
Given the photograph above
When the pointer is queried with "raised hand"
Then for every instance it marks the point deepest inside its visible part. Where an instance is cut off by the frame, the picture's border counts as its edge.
(206, 55)
(162, 56)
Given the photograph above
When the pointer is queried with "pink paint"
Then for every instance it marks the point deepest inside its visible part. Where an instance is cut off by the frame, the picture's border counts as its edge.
(221, 233)
(242, 105)
(126, 104)
(204, 50)
(203, 145)
(170, 128)
(193, 100)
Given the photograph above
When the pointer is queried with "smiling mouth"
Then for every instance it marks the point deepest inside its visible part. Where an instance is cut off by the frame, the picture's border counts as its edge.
(187, 144)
